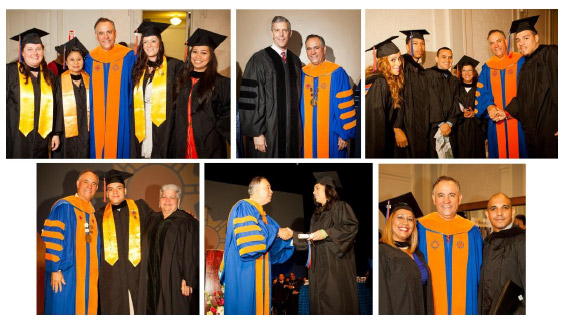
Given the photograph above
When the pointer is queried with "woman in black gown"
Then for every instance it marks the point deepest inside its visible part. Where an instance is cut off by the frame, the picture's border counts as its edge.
(471, 130)
(405, 285)
(385, 135)
(33, 122)
(73, 89)
(169, 268)
(202, 118)
(332, 272)
(153, 76)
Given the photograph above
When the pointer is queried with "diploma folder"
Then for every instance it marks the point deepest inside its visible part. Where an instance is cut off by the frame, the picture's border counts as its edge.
(510, 298)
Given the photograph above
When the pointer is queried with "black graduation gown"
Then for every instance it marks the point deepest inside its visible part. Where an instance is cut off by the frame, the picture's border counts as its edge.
(535, 104)
(32, 145)
(162, 141)
(443, 90)
(415, 115)
(210, 120)
(79, 146)
(269, 103)
(332, 274)
(400, 284)
(115, 281)
(381, 119)
(504, 258)
(175, 240)
(470, 131)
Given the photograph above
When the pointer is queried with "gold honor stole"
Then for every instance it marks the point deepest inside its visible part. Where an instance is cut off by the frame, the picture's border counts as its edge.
(457, 230)
(509, 64)
(70, 104)
(158, 101)
(81, 262)
(320, 97)
(106, 106)
(110, 240)
(27, 106)
(262, 274)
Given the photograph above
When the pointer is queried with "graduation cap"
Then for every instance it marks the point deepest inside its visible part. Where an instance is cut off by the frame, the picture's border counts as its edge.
(524, 24)
(385, 48)
(30, 36)
(414, 33)
(149, 28)
(404, 201)
(330, 178)
(466, 60)
(203, 37)
(74, 43)
(114, 176)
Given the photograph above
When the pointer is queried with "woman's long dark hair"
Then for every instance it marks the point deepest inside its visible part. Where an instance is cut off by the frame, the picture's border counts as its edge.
(475, 75)
(331, 198)
(141, 65)
(47, 75)
(206, 84)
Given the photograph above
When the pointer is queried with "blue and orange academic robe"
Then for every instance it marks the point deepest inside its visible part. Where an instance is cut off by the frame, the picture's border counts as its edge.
(497, 85)
(251, 247)
(453, 251)
(111, 100)
(327, 110)
(77, 257)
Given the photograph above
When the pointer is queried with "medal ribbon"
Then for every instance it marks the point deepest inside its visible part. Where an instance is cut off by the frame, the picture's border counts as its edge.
(158, 101)
(27, 106)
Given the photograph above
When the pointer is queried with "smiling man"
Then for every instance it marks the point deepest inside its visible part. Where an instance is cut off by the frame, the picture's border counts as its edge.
(122, 222)
(110, 66)
(444, 107)
(327, 108)
(269, 103)
(72, 247)
(452, 247)
(254, 241)
(535, 104)
(504, 257)
(496, 87)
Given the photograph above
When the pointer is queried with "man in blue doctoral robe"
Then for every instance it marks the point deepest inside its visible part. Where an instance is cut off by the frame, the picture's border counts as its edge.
(327, 107)
(452, 247)
(110, 66)
(254, 241)
(496, 88)
(72, 248)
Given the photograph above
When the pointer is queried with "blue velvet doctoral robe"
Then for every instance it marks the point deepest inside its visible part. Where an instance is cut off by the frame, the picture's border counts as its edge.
(251, 247)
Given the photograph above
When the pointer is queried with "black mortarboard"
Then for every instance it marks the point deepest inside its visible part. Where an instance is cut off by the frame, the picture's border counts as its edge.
(330, 178)
(30, 36)
(203, 37)
(524, 24)
(466, 60)
(386, 47)
(115, 176)
(415, 33)
(65, 48)
(149, 28)
(406, 201)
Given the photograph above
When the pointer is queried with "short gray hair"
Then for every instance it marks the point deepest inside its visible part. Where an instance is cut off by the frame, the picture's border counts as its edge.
(254, 183)
(280, 19)
(446, 179)
(171, 187)
(316, 36)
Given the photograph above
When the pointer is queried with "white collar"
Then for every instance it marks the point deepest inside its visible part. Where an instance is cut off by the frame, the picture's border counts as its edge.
(278, 49)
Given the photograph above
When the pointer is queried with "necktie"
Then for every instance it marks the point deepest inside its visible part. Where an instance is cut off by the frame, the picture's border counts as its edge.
(283, 54)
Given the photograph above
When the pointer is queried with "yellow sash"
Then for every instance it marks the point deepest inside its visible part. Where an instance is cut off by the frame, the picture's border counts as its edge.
(110, 240)
(70, 105)
(158, 101)
(27, 106)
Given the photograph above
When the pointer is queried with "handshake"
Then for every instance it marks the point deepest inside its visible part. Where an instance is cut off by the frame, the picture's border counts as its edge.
(496, 114)
(285, 233)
